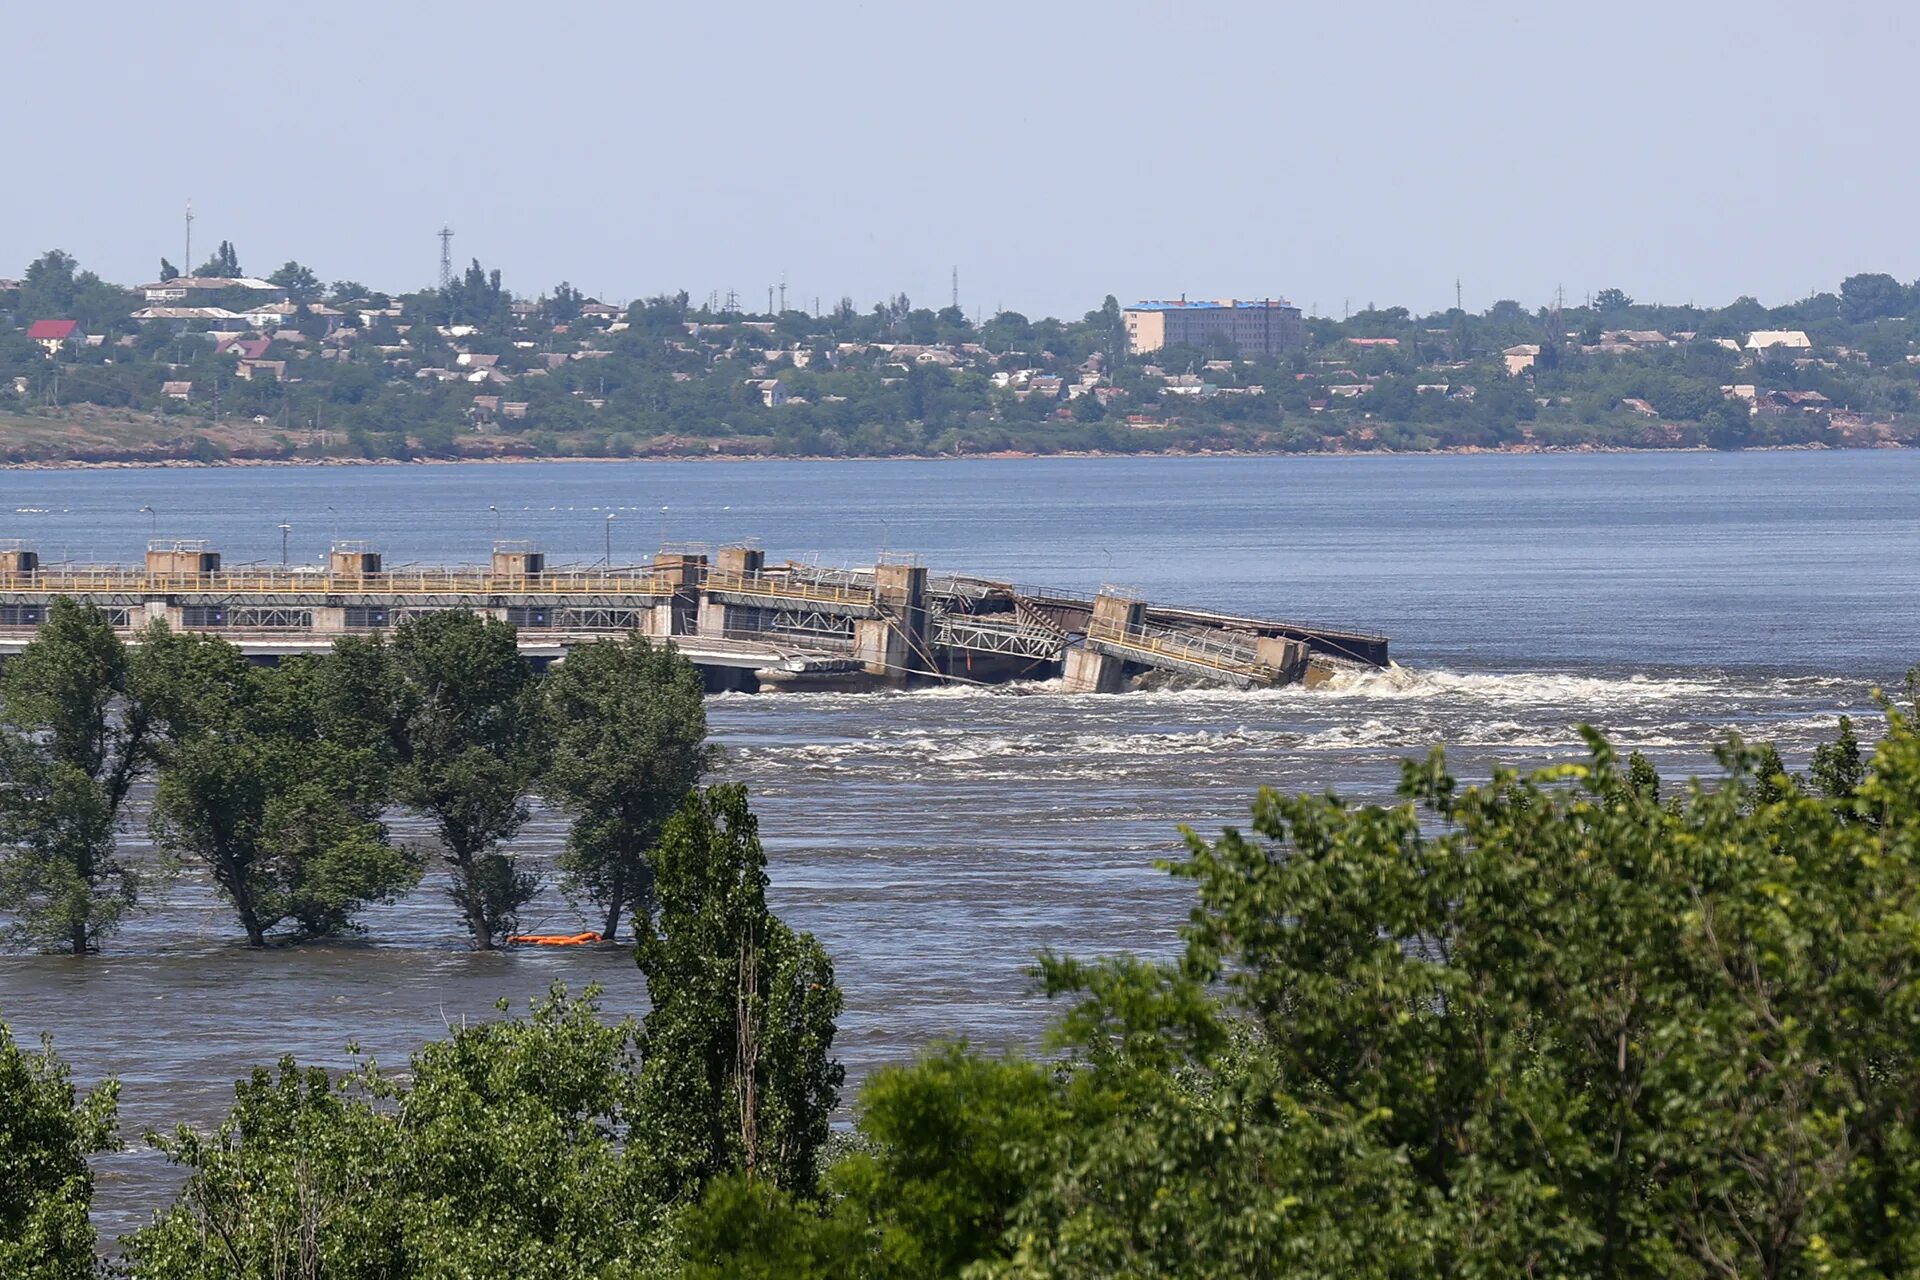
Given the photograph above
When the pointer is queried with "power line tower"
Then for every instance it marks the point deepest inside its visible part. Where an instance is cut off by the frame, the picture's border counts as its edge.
(446, 256)
(783, 293)
(956, 288)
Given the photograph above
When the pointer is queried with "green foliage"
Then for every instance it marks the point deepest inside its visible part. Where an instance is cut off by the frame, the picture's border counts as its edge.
(46, 1135)
(628, 725)
(466, 748)
(1544, 1026)
(279, 800)
(77, 730)
(223, 265)
(738, 1074)
(301, 284)
(499, 1153)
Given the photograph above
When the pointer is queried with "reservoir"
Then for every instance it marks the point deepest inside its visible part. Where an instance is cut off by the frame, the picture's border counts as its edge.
(934, 839)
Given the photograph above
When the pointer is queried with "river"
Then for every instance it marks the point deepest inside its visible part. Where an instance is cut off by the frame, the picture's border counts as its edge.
(934, 840)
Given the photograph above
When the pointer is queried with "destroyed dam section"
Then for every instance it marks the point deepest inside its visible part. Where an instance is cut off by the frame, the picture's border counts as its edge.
(747, 624)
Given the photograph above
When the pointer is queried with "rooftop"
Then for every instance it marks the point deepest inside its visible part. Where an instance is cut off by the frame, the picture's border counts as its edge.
(1211, 304)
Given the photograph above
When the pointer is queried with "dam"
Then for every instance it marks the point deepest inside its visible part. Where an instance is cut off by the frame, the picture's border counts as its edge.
(746, 623)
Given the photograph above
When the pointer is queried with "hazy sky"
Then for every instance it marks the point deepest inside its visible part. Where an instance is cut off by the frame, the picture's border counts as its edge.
(1053, 152)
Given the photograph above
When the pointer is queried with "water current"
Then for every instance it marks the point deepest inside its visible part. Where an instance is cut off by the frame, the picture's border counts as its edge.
(934, 840)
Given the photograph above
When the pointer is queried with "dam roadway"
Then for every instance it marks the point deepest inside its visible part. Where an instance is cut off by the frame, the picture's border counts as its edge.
(745, 623)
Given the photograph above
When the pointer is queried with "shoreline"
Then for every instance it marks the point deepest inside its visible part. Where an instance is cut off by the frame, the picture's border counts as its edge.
(157, 464)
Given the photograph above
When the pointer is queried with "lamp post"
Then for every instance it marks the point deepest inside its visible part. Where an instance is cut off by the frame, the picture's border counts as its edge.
(284, 528)
(153, 520)
(607, 524)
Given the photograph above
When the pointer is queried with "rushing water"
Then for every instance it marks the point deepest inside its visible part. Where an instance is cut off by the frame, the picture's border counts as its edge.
(934, 840)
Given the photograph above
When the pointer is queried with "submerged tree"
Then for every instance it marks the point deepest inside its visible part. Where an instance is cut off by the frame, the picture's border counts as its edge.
(628, 727)
(283, 813)
(46, 1134)
(77, 733)
(738, 1074)
(466, 749)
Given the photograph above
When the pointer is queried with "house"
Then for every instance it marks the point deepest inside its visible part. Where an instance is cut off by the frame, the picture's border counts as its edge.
(1520, 357)
(599, 311)
(1776, 344)
(1374, 342)
(273, 369)
(245, 348)
(513, 408)
(177, 390)
(180, 318)
(773, 392)
(55, 334)
(1779, 404)
(181, 288)
(274, 314)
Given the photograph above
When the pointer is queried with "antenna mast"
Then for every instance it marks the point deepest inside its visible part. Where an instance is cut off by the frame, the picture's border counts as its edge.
(186, 263)
(956, 288)
(446, 256)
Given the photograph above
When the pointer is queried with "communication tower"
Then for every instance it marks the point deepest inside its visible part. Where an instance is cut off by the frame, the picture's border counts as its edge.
(446, 256)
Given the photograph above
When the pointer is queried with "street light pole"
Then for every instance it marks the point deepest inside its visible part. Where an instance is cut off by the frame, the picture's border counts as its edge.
(153, 521)
(608, 526)
(284, 527)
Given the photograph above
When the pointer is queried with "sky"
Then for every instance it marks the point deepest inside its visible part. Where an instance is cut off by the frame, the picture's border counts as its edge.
(1051, 151)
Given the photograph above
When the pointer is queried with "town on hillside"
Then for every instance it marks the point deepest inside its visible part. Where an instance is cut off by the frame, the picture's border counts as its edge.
(221, 364)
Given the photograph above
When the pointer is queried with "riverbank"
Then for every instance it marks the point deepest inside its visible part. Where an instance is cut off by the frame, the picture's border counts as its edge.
(1521, 450)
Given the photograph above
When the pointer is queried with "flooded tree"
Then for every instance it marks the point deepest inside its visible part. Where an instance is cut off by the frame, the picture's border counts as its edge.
(278, 799)
(76, 732)
(628, 726)
(466, 749)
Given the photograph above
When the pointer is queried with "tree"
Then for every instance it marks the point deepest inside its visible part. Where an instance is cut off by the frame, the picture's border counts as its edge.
(1871, 296)
(284, 815)
(1837, 769)
(168, 271)
(1610, 300)
(76, 732)
(737, 1073)
(223, 265)
(627, 724)
(466, 751)
(564, 306)
(498, 1153)
(46, 1135)
(1548, 1025)
(1729, 424)
(302, 285)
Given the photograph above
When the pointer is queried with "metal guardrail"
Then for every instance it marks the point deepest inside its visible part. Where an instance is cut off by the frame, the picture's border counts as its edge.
(105, 578)
(1180, 646)
(784, 588)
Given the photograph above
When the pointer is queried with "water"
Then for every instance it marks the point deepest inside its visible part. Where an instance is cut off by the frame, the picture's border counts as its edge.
(935, 840)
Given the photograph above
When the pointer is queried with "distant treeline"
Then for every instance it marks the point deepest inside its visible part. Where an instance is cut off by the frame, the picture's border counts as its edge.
(355, 372)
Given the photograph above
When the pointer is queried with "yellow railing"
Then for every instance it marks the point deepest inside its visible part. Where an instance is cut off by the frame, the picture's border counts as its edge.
(1196, 649)
(786, 588)
(91, 579)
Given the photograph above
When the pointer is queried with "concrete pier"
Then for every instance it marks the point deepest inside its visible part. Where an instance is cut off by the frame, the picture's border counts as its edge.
(746, 623)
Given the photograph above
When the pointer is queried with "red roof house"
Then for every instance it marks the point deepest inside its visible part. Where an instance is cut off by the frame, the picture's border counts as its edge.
(54, 334)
